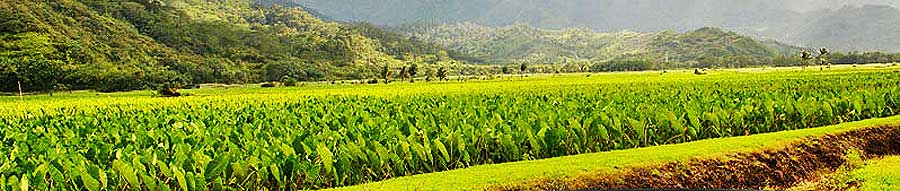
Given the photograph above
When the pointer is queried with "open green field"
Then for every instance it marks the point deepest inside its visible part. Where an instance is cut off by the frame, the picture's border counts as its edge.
(324, 136)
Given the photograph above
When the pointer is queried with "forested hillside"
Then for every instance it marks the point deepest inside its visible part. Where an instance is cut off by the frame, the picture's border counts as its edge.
(137, 44)
(705, 47)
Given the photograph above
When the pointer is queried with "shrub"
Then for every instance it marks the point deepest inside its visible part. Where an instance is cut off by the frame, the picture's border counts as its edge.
(288, 81)
(168, 90)
(268, 85)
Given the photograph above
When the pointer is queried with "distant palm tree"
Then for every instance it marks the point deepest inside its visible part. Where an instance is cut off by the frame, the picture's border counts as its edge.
(522, 69)
(805, 56)
(404, 73)
(413, 70)
(386, 73)
(442, 73)
(823, 57)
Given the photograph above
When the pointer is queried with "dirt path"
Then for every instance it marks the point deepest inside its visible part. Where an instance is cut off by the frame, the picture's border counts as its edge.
(784, 168)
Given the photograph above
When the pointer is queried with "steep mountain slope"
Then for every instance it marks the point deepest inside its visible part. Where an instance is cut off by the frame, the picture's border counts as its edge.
(135, 44)
(521, 43)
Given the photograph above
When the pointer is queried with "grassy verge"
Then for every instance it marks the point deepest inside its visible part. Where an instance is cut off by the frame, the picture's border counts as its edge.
(883, 174)
(480, 177)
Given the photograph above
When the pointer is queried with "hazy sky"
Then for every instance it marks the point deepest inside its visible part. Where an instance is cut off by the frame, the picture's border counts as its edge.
(800, 22)
(808, 5)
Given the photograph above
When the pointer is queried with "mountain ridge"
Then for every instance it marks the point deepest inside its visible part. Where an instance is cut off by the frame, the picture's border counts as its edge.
(767, 19)
(521, 43)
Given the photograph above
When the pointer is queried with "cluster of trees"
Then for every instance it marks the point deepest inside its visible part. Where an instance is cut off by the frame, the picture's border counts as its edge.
(822, 57)
(864, 58)
(808, 58)
(623, 65)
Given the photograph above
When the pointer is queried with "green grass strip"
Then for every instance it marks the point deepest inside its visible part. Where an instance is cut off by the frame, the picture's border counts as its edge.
(881, 174)
(480, 177)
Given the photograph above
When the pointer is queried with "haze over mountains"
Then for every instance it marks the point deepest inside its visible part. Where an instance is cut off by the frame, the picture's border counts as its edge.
(524, 44)
(847, 25)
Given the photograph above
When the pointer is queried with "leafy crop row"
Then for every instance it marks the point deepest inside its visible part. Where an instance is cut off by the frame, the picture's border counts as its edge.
(316, 142)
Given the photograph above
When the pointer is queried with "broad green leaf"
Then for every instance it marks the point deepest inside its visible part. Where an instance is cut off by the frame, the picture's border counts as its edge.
(102, 177)
(165, 170)
(89, 182)
(127, 172)
(442, 149)
(326, 157)
(12, 182)
(287, 150)
(149, 182)
(179, 176)
(23, 184)
(276, 173)
(217, 167)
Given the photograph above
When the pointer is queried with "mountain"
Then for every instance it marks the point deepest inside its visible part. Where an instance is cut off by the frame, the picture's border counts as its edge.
(409, 48)
(802, 21)
(865, 28)
(522, 43)
(136, 44)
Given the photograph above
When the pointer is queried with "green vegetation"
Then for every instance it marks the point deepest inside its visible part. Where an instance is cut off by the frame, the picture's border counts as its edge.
(864, 58)
(620, 51)
(143, 44)
(578, 50)
(879, 174)
(140, 44)
(333, 135)
(409, 48)
(298, 124)
(484, 176)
